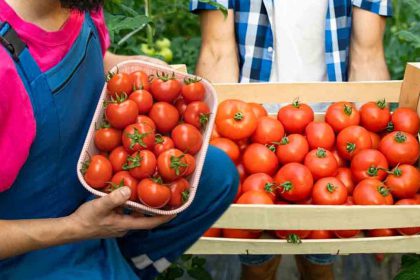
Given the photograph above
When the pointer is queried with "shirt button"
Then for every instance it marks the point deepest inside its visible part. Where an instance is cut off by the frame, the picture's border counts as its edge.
(270, 49)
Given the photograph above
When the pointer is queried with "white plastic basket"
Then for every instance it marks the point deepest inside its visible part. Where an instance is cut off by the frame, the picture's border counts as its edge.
(90, 149)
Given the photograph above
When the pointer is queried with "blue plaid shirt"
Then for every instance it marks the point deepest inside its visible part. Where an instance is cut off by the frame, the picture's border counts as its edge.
(255, 37)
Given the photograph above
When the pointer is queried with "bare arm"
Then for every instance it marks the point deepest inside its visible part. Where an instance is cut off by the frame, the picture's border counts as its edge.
(367, 58)
(110, 59)
(218, 60)
(95, 219)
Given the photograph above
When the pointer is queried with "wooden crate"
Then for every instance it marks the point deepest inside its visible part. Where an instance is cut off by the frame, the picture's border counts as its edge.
(268, 217)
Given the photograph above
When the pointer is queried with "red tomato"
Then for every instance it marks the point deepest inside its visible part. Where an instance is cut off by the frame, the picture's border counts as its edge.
(140, 80)
(351, 140)
(141, 164)
(268, 130)
(417, 198)
(384, 232)
(97, 171)
(375, 140)
(341, 115)
(162, 143)
(292, 148)
(172, 165)
(193, 90)
(213, 232)
(197, 113)
(320, 135)
(238, 193)
(254, 197)
(227, 146)
(121, 113)
(143, 99)
(258, 110)
(369, 163)
(400, 148)
(107, 138)
(138, 137)
(241, 233)
(329, 191)
(243, 144)
(411, 230)
(292, 236)
(257, 158)
(404, 181)
(118, 157)
(153, 193)
(180, 190)
(295, 182)
(165, 116)
(123, 178)
(321, 163)
(345, 177)
(341, 162)
(241, 170)
(165, 88)
(214, 133)
(190, 160)
(372, 192)
(142, 119)
(119, 83)
(346, 233)
(321, 234)
(260, 182)
(295, 117)
(375, 116)
(187, 138)
(406, 120)
(235, 119)
(181, 106)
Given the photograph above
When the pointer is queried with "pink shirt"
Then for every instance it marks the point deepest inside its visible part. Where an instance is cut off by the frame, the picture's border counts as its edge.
(17, 122)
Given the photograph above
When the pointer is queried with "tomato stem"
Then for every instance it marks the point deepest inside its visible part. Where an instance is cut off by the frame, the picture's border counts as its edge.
(348, 109)
(397, 171)
(331, 188)
(390, 127)
(287, 186)
(132, 162)
(321, 153)
(296, 103)
(191, 80)
(268, 187)
(284, 140)
(400, 137)
(384, 191)
(238, 116)
(185, 195)
(137, 138)
(159, 139)
(350, 147)
(294, 239)
(271, 148)
(372, 171)
(381, 103)
(176, 164)
(204, 119)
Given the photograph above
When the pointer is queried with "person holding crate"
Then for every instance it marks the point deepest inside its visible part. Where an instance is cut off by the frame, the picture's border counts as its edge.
(292, 41)
(52, 60)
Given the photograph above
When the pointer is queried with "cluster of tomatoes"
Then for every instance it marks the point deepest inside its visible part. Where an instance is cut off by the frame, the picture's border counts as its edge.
(152, 130)
(362, 157)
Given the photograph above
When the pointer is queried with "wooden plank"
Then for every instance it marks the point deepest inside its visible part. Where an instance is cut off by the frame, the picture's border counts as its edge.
(395, 244)
(410, 90)
(310, 92)
(318, 217)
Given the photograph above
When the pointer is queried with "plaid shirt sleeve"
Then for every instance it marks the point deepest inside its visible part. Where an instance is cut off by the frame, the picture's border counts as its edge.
(380, 7)
(196, 5)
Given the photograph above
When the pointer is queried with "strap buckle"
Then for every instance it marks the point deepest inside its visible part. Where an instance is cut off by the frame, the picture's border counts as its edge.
(11, 41)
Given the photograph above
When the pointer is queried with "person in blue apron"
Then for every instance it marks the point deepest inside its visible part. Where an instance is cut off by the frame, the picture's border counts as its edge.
(50, 227)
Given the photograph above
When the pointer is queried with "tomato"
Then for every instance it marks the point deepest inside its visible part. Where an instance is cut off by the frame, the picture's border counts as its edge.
(97, 171)
(241, 170)
(140, 80)
(345, 177)
(321, 163)
(118, 157)
(235, 119)
(372, 192)
(241, 233)
(329, 191)
(141, 164)
(258, 110)
(411, 230)
(321, 234)
(238, 193)
(190, 160)
(349, 233)
(341, 115)
(165, 116)
(255, 197)
(257, 158)
(384, 232)
(417, 198)
(118, 83)
(400, 148)
(197, 113)
(162, 143)
(165, 88)
(320, 135)
(260, 182)
(213, 232)
(375, 140)
(341, 162)
(268, 130)
(153, 193)
(404, 181)
(123, 178)
(406, 120)
(294, 181)
(107, 138)
(121, 112)
(375, 116)
(172, 165)
(295, 117)
(143, 99)
(180, 190)
(193, 90)
(138, 137)
(292, 148)
(181, 106)
(142, 119)
(187, 138)
(227, 146)
(243, 144)
(351, 140)
(369, 163)
(214, 133)
(292, 236)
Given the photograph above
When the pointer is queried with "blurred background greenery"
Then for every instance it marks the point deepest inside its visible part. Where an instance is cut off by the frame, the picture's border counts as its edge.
(171, 19)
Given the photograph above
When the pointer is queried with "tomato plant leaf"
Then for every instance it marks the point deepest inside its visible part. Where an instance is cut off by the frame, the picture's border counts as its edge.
(199, 273)
(217, 5)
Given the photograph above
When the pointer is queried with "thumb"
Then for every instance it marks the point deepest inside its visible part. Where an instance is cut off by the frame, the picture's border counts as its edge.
(113, 200)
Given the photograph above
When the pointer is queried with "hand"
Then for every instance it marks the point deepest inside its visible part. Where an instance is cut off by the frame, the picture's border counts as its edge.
(100, 218)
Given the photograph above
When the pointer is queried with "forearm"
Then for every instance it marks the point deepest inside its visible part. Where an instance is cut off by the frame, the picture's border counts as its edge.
(218, 68)
(368, 65)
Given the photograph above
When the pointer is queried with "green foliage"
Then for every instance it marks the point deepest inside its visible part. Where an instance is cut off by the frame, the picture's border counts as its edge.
(410, 268)
(193, 265)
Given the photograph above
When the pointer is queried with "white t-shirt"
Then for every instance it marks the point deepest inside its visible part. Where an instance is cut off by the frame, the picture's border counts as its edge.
(299, 40)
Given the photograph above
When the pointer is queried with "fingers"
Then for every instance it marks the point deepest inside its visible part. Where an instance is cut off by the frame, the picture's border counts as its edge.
(130, 222)
(113, 200)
